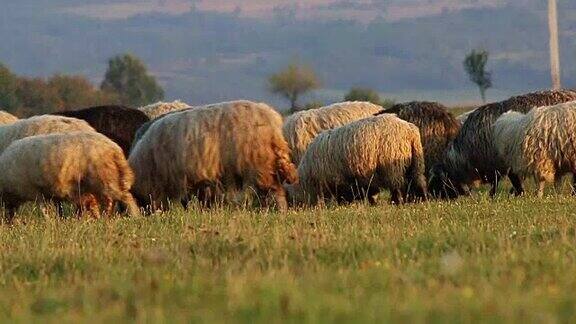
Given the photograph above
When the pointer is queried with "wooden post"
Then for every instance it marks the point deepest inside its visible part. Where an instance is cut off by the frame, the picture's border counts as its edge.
(554, 47)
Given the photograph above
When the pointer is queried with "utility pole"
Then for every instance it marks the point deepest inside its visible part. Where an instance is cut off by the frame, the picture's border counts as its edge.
(554, 47)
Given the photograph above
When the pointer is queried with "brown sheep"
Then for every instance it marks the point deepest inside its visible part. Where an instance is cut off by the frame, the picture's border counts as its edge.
(437, 126)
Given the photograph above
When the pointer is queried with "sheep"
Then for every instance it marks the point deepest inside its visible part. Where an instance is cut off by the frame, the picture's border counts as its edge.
(357, 160)
(158, 109)
(300, 128)
(119, 123)
(7, 118)
(40, 125)
(213, 149)
(144, 128)
(541, 143)
(472, 156)
(437, 126)
(86, 168)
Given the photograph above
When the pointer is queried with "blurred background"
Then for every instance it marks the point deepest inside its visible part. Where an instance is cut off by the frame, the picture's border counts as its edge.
(214, 50)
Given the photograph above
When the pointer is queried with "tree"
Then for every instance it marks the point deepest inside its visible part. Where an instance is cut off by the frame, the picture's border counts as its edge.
(292, 82)
(76, 91)
(363, 94)
(36, 97)
(554, 51)
(475, 65)
(128, 77)
(8, 86)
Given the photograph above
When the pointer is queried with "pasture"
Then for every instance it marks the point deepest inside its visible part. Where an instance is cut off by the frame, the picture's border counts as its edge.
(475, 259)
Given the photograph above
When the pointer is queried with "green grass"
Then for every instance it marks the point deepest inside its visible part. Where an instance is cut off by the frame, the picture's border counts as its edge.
(471, 260)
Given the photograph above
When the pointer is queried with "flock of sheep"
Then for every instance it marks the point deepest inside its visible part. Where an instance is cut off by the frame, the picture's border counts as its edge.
(146, 158)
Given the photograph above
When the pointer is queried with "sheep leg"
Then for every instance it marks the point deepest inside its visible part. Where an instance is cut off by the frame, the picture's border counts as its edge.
(11, 205)
(59, 208)
(344, 195)
(185, 201)
(558, 184)
(541, 186)
(280, 199)
(206, 193)
(516, 184)
(372, 196)
(540, 180)
(397, 197)
(464, 190)
(372, 199)
(158, 205)
(94, 209)
(9, 214)
(89, 202)
(573, 189)
(130, 203)
(108, 205)
(278, 193)
(494, 188)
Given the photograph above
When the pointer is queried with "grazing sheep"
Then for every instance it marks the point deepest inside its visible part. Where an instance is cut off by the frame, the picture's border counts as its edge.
(144, 128)
(437, 127)
(86, 168)
(472, 155)
(7, 118)
(300, 128)
(212, 149)
(158, 109)
(541, 143)
(40, 125)
(118, 123)
(357, 160)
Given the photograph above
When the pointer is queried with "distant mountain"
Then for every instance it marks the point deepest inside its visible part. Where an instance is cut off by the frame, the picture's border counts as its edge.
(336, 9)
(202, 56)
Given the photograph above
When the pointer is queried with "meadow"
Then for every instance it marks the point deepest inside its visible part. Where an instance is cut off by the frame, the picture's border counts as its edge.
(472, 260)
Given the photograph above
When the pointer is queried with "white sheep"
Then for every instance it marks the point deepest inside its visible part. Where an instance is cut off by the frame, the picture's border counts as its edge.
(85, 168)
(541, 143)
(158, 109)
(207, 150)
(301, 128)
(357, 160)
(39, 125)
(7, 118)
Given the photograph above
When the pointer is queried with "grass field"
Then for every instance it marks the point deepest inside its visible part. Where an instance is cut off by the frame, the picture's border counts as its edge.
(471, 260)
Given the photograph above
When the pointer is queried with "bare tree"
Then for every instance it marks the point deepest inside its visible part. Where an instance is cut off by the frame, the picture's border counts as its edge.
(554, 47)
(475, 65)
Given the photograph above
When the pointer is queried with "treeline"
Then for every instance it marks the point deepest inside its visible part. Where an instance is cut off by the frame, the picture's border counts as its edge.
(126, 82)
(297, 79)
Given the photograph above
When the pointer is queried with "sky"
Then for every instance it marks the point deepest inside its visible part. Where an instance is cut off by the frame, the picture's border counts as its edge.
(339, 9)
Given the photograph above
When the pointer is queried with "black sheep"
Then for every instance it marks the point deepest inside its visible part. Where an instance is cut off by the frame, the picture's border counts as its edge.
(119, 123)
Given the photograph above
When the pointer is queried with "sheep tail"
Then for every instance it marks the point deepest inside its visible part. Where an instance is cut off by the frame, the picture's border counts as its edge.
(125, 173)
(416, 171)
(285, 168)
